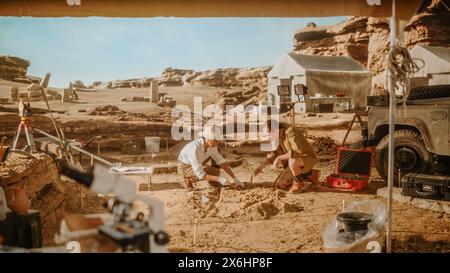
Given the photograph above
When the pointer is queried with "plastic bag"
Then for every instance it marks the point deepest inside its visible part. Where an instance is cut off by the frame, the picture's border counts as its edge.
(335, 236)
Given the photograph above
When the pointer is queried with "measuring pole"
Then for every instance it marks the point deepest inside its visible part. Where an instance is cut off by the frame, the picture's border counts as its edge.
(391, 89)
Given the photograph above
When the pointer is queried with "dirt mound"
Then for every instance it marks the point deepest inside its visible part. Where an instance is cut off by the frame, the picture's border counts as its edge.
(240, 205)
(106, 110)
(418, 244)
(161, 117)
(120, 115)
(366, 39)
(249, 96)
(324, 146)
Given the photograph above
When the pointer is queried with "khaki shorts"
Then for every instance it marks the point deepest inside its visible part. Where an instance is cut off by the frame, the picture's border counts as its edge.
(308, 163)
(186, 171)
(286, 174)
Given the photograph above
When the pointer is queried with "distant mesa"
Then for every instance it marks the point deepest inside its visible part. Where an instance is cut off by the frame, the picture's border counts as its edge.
(222, 78)
(15, 69)
(128, 83)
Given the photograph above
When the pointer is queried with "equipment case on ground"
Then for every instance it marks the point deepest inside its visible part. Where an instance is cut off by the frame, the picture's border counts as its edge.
(353, 169)
(426, 186)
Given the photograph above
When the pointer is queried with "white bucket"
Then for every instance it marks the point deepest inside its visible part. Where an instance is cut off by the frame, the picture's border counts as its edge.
(152, 144)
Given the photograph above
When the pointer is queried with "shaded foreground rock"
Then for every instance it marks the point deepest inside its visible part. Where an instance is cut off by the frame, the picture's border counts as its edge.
(48, 193)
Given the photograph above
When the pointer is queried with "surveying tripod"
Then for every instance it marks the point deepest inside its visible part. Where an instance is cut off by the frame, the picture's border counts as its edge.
(25, 124)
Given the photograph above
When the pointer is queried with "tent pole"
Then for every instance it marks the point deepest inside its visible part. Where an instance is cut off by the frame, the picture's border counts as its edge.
(391, 88)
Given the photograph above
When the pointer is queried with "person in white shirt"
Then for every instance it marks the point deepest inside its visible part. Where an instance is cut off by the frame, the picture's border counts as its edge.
(195, 154)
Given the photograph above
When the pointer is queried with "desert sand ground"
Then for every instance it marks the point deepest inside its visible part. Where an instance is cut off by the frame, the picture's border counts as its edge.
(258, 218)
(263, 219)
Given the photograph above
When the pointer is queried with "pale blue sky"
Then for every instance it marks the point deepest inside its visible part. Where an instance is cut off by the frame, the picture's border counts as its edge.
(96, 48)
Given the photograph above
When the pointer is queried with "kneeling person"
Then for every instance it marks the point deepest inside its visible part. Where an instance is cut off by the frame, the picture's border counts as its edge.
(294, 152)
(195, 154)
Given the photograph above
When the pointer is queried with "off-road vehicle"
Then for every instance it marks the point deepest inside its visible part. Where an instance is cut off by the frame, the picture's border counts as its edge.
(422, 132)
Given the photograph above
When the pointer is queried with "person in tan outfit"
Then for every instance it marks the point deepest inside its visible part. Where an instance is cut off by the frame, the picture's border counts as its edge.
(294, 152)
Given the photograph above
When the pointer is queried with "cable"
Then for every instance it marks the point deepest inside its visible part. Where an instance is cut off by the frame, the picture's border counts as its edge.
(402, 67)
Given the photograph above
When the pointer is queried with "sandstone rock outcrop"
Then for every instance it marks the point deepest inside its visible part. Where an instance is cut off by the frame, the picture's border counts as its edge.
(378, 29)
(13, 67)
(349, 38)
(49, 193)
(248, 97)
(174, 77)
(78, 84)
(129, 83)
(430, 26)
(222, 78)
(367, 39)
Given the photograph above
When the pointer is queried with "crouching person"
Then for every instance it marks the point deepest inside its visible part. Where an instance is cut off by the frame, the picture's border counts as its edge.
(294, 152)
(193, 157)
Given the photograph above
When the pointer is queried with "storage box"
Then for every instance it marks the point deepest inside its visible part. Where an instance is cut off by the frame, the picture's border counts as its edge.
(426, 186)
(352, 170)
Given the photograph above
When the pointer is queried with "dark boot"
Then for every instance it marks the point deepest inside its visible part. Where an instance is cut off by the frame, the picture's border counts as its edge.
(297, 186)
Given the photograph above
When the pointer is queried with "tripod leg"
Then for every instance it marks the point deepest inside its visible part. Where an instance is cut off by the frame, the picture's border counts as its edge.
(360, 121)
(16, 138)
(30, 138)
(27, 135)
(349, 129)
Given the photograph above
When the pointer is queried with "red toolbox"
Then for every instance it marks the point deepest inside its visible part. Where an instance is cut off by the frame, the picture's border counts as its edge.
(353, 169)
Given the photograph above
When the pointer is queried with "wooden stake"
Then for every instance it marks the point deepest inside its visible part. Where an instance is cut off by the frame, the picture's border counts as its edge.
(98, 148)
(251, 179)
(195, 230)
(343, 205)
(399, 178)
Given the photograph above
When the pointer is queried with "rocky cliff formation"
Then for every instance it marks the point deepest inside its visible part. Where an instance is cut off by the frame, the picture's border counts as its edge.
(367, 39)
(349, 38)
(129, 83)
(223, 78)
(174, 77)
(13, 67)
(430, 25)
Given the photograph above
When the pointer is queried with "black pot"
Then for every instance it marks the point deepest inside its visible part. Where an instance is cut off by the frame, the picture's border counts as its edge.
(354, 221)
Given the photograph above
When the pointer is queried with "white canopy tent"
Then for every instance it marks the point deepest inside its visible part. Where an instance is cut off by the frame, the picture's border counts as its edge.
(326, 75)
(436, 67)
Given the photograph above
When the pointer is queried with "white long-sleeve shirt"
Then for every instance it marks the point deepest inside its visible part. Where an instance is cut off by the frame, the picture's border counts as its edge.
(194, 154)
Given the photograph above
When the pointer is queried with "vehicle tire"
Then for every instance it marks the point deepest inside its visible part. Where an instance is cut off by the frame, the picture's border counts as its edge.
(429, 92)
(410, 155)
